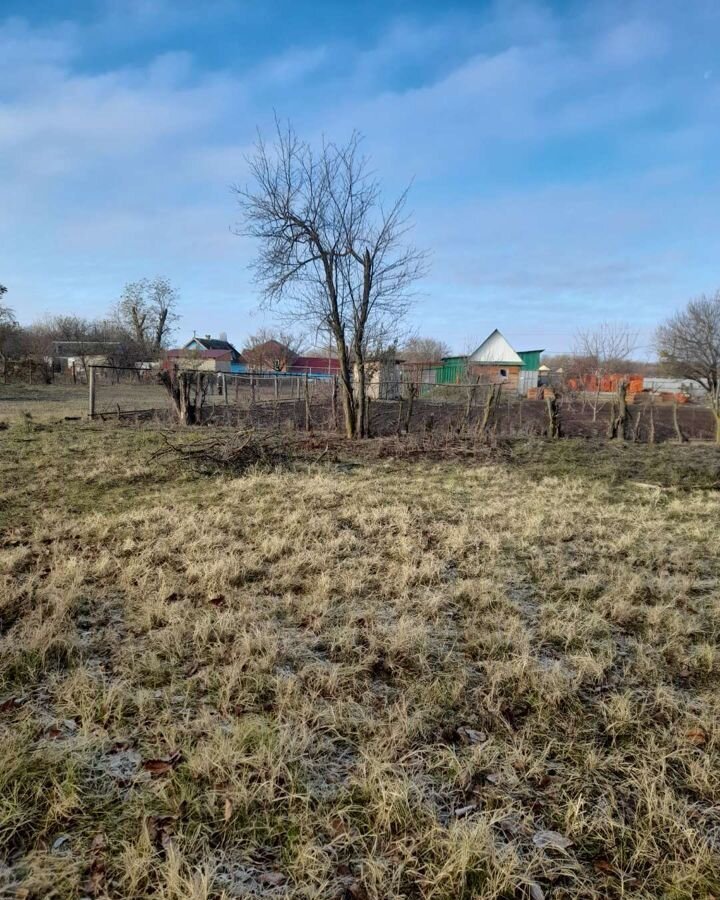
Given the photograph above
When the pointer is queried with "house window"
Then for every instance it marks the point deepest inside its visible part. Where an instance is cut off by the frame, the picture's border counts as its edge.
(503, 373)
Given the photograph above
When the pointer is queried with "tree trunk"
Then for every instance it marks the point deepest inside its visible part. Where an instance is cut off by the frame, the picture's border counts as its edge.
(346, 385)
(334, 403)
(411, 397)
(470, 401)
(160, 329)
(491, 402)
(186, 393)
(360, 397)
(619, 425)
(554, 429)
(682, 439)
(716, 413)
(651, 425)
(138, 322)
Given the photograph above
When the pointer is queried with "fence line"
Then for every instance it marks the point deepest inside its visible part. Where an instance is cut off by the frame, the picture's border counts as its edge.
(398, 406)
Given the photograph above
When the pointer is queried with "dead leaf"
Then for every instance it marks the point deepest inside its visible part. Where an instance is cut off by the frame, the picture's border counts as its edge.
(99, 842)
(337, 826)
(493, 778)
(272, 879)
(551, 840)
(536, 892)
(512, 825)
(164, 764)
(603, 866)
(11, 704)
(96, 877)
(166, 840)
(160, 830)
(696, 736)
(470, 735)
(53, 733)
(228, 809)
(157, 766)
(465, 810)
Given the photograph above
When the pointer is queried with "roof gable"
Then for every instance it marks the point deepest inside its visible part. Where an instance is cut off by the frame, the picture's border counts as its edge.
(495, 350)
(209, 344)
(202, 346)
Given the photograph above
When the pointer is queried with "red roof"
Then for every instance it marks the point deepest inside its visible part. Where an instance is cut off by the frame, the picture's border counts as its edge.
(315, 364)
(199, 354)
(329, 362)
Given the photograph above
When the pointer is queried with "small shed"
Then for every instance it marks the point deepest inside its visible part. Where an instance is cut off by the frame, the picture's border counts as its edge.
(383, 377)
(530, 372)
(453, 370)
(495, 362)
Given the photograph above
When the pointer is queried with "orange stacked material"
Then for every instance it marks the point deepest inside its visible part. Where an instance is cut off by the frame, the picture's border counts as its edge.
(672, 397)
(635, 384)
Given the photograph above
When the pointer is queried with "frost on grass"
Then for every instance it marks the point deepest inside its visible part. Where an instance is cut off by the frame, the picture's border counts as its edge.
(381, 681)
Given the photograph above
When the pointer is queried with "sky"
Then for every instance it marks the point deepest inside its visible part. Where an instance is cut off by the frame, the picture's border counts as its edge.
(563, 156)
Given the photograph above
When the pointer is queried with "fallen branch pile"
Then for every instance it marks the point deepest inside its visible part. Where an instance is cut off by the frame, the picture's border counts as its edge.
(235, 453)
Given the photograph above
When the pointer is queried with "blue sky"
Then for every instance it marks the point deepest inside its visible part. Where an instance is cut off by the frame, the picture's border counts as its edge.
(564, 155)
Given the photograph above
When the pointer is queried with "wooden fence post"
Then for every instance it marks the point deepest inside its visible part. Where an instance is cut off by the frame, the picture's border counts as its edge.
(91, 392)
(308, 423)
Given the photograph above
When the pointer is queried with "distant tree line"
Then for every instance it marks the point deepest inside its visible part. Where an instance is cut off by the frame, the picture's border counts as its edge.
(136, 329)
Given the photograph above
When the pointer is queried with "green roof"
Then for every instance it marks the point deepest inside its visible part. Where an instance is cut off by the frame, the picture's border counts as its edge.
(530, 358)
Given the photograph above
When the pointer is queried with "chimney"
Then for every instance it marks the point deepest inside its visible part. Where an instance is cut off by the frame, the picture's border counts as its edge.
(223, 335)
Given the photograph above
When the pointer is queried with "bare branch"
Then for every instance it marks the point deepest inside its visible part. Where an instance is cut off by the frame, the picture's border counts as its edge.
(328, 253)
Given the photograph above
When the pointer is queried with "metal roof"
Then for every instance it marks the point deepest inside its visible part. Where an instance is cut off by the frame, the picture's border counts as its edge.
(495, 350)
(209, 343)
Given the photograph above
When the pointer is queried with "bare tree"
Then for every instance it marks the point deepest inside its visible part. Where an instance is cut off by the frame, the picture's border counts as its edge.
(86, 339)
(187, 391)
(271, 350)
(601, 351)
(329, 252)
(8, 330)
(688, 346)
(419, 349)
(148, 310)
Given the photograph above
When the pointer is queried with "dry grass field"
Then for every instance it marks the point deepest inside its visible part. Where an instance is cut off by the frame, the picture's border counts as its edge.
(54, 402)
(372, 680)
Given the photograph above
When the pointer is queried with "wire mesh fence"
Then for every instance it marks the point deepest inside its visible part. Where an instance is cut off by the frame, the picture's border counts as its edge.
(309, 401)
(124, 391)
